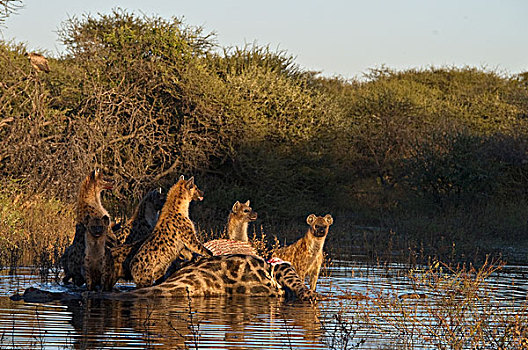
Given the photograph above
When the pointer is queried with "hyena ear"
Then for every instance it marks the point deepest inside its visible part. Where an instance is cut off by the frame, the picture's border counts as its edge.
(310, 219)
(190, 182)
(80, 229)
(106, 220)
(236, 206)
(181, 178)
(247, 203)
(329, 219)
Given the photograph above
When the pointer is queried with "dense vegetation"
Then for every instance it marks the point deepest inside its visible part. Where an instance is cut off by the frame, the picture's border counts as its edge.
(431, 159)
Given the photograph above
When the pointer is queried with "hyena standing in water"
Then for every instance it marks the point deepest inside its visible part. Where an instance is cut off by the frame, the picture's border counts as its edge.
(306, 255)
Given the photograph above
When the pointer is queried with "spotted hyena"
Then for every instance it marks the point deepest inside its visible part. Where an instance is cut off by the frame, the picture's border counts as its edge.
(174, 236)
(306, 254)
(237, 226)
(144, 219)
(88, 206)
(96, 254)
(238, 220)
(72, 259)
(120, 257)
(134, 233)
(89, 199)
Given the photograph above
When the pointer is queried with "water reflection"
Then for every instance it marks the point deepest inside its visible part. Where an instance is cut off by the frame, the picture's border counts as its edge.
(238, 322)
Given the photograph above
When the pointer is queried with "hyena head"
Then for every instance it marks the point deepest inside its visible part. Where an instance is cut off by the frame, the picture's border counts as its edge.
(152, 204)
(156, 198)
(96, 226)
(319, 225)
(191, 191)
(243, 212)
(99, 181)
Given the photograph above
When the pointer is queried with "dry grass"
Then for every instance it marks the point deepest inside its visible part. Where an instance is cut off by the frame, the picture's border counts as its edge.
(450, 308)
(34, 230)
(264, 244)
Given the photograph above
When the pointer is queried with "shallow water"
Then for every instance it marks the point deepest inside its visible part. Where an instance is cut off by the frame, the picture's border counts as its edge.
(225, 323)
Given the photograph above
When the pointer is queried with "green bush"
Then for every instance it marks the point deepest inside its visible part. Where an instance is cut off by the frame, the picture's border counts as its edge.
(147, 99)
(456, 167)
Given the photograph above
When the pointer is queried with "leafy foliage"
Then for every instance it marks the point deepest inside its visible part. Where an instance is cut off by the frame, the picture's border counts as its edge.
(147, 99)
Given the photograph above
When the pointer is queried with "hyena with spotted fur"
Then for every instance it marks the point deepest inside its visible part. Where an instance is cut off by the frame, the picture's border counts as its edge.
(306, 254)
(136, 231)
(97, 253)
(120, 261)
(238, 220)
(72, 259)
(173, 237)
(144, 219)
(89, 200)
(88, 206)
(237, 227)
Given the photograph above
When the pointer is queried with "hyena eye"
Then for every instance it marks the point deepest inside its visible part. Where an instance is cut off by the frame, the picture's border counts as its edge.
(246, 210)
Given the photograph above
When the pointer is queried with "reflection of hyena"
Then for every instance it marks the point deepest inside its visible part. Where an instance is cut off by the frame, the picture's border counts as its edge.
(88, 206)
(236, 274)
(237, 226)
(306, 254)
(96, 253)
(174, 236)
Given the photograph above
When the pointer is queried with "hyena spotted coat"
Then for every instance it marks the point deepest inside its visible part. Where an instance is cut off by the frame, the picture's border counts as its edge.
(88, 206)
(237, 226)
(97, 253)
(173, 237)
(306, 254)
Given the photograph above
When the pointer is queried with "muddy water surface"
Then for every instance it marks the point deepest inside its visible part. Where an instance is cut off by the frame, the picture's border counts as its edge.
(219, 323)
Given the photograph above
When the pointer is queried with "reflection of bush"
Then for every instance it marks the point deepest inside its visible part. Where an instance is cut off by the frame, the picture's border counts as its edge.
(148, 99)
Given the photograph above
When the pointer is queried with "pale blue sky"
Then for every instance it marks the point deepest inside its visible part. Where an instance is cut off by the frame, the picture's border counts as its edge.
(337, 37)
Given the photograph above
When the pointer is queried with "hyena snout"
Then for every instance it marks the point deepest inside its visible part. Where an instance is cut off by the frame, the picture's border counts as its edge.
(320, 230)
(96, 231)
(98, 226)
(198, 195)
(252, 216)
